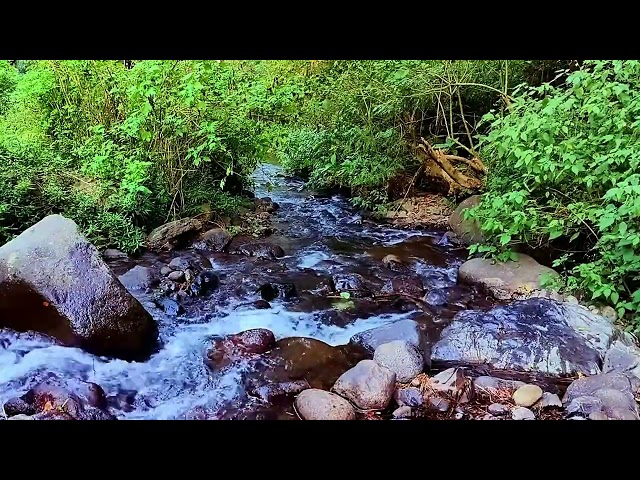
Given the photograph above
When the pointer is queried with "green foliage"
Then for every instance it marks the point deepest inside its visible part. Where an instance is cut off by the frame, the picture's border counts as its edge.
(357, 121)
(120, 150)
(565, 166)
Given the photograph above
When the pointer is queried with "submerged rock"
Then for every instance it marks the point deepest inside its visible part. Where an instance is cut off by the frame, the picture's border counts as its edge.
(393, 263)
(265, 205)
(302, 358)
(535, 334)
(71, 398)
(505, 280)
(214, 240)
(52, 280)
(173, 234)
(405, 285)
(169, 306)
(261, 249)
(368, 385)
(315, 404)
(139, 278)
(271, 291)
(241, 345)
(205, 282)
(273, 392)
(350, 282)
(401, 357)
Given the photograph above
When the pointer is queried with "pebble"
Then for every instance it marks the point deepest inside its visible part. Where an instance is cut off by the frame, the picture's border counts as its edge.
(402, 412)
(415, 382)
(572, 299)
(527, 395)
(522, 413)
(609, 313)
(549, 400)
(164, 271)
(409, 396)
(176, 276)
(497, 409)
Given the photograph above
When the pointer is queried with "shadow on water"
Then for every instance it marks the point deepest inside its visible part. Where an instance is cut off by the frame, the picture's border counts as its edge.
(321, 237)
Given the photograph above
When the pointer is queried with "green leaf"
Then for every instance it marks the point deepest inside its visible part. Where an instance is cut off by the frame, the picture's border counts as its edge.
(345, 295)
(614, 297)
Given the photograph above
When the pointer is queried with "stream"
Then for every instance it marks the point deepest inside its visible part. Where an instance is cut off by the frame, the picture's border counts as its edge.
(322, 236)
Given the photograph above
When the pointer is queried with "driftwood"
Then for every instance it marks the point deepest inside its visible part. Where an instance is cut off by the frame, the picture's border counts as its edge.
(440, 166)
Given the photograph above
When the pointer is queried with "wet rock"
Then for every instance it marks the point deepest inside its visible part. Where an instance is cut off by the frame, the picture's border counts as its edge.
(608, 392)
(436, 297)
(622, 357)
(350, 282)
(505, 280)
(438, 404)
(302, 358)
(407, 330)
(123, 400)
(189, 275)
(549, 400)
(261, 249)
(405, 285)
(572, 299)
(535, 334)
(393, 263)
(113, 254)
(401, 357)
(261, 304)
(402, 412)
(176, 276)
(466, 230)
(173, 234)
(169, 306)
(315, 404)
(55, 282)
(522, 413)
(265, 205)
(205, 282)
(271, 291)
(273, 392)
(493, 384)
(139, 278)
(527, 395)
(497, 409)
(368, 385)
(166, 270)
(214, 240)
(179, 264)
(68, 397)
(618, 413)
(408, 396)
(241, 345)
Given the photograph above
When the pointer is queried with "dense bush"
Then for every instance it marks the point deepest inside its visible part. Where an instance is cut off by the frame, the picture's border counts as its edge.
(356, 124)
(123, 150)
(565, 175)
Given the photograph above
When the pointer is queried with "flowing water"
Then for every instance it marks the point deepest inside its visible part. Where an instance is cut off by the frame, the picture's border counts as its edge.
(322, 236)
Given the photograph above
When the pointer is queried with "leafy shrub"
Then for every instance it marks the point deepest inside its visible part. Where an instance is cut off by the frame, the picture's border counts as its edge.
(565, 175)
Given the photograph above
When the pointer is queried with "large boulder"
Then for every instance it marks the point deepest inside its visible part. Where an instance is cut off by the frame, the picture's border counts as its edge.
(537, 334)
(466, 230)
(173, 234)
(52, 280)
(514, 279)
